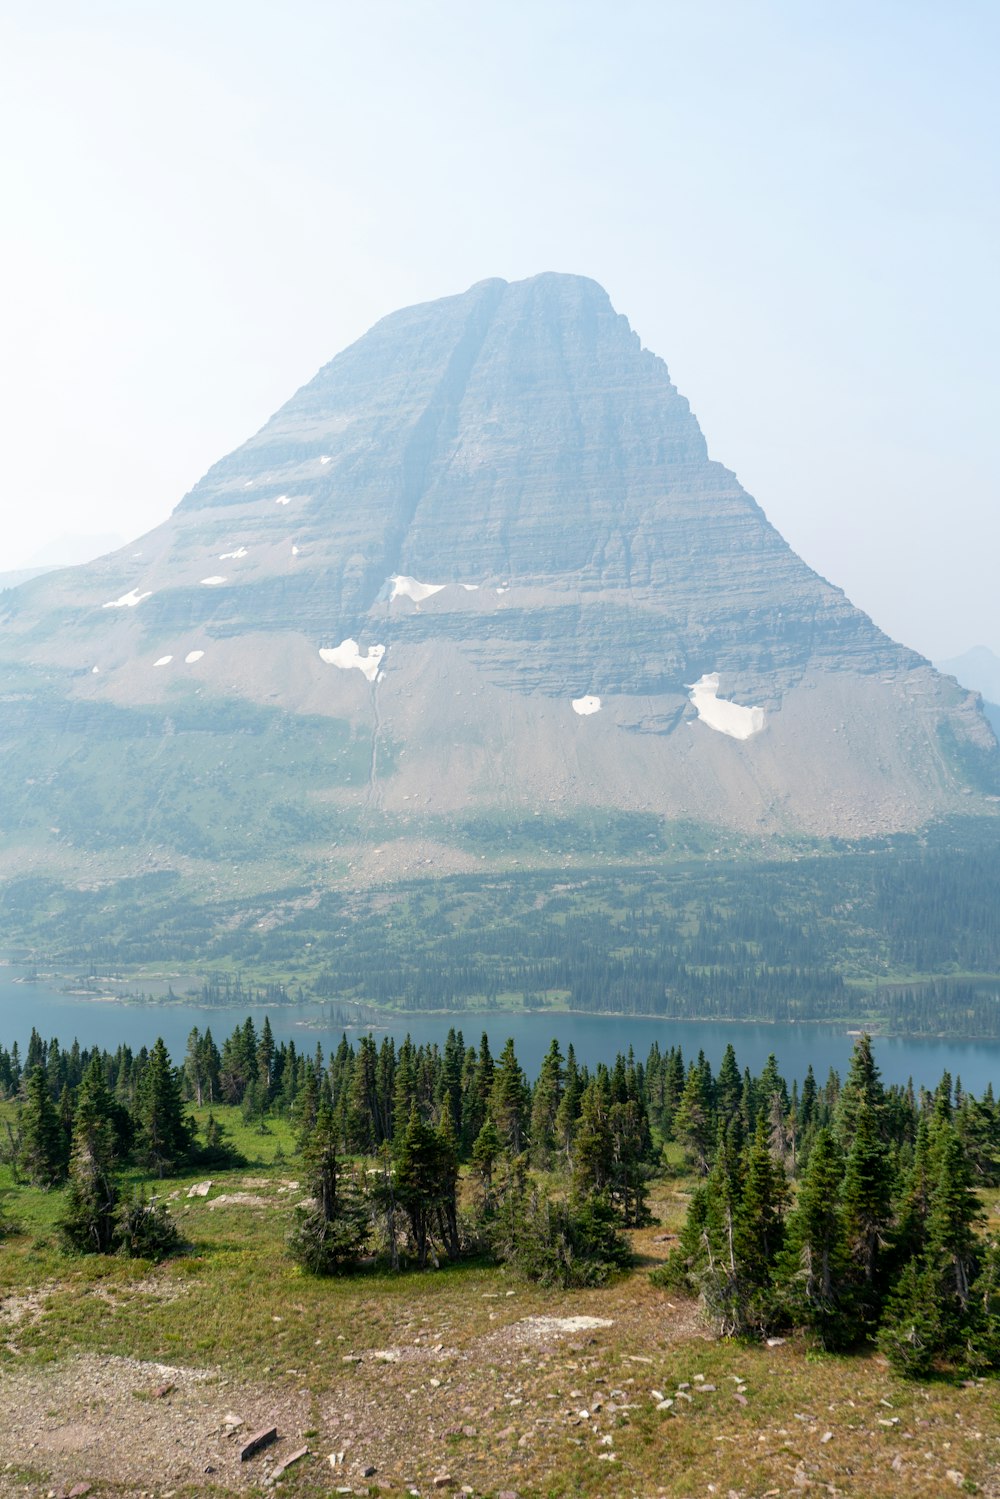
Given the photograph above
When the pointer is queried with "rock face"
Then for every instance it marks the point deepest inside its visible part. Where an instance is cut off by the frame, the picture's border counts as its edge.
(487, 549)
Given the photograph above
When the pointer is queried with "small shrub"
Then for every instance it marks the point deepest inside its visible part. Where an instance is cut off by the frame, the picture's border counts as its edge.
(146, 1230)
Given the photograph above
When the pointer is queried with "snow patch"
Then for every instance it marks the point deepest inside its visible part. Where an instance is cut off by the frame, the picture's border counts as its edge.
(409, 588)
(227, 556)
(128, 600)
(163, 661)
(94, 671)
(295, 551)
(212, 582)
(585, 705)
(346, 655)
(192, 657)
(325, 458)
(283, 499)
(471, 587)
(721, 714)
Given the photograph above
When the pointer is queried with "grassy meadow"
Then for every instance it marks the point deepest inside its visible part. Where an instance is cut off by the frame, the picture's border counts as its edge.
(132, 1377)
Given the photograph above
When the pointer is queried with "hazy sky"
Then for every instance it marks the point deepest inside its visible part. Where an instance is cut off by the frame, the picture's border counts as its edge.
(795, 204)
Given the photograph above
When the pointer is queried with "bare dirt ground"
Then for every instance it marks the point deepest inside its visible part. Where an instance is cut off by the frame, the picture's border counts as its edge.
(401, 1417)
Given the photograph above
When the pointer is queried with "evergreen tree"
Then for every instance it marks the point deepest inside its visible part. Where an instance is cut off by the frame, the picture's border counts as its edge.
(814, 1269)
(328, 1236)
(43, 1154)
(165, 1132)
(484, 1157)
(89, 1223)
(862, 1089)
(509, 1101)
(594, 1147)
(545, 1106)
(866, 1206)
(760, 1222)
(567, 1118)
(425, 1179)
(729, 1086)
(694, 1126)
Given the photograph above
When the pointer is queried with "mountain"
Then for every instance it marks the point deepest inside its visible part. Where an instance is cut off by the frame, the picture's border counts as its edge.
(477, 584)
(979, 670)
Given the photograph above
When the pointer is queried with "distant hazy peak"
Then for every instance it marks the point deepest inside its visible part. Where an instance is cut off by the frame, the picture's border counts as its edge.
(978, 669)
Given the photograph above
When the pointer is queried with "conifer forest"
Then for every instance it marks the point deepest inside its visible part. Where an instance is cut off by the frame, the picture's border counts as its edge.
(835, 1207)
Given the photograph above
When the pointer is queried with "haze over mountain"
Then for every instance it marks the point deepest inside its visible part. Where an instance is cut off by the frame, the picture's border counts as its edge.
(979, 669)
(480, 569)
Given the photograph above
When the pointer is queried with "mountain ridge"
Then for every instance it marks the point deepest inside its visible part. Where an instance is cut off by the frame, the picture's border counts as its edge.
(487, 545)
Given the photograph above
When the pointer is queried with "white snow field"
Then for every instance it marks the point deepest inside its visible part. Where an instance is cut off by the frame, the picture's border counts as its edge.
(408, 588)
(586, 705)
(212, 582)
(346, 655)
(721, 714)
(192, 657)
(128, 600)
(163, 661)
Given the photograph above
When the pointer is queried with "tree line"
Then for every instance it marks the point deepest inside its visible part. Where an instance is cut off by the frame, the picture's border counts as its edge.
(842, 1207)
(881, 1241)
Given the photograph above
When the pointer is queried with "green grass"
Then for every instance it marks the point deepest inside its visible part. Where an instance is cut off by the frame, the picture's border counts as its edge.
(233, 1302)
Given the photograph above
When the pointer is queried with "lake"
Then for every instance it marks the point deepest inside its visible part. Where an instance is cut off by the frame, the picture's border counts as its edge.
(595, 1038)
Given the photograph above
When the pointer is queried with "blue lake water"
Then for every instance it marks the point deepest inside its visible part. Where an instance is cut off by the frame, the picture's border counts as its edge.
(596, 1038)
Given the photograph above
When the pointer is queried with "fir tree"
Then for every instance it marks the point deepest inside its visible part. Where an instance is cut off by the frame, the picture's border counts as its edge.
(814, 1268)
(545, 1106)
(89, 1223)
(165, 1132)
(509, 1101)
(43, 1154)
(866, 1206)
(328, 1236)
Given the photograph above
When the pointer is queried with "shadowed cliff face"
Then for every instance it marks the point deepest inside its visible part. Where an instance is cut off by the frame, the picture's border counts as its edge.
(488, 541)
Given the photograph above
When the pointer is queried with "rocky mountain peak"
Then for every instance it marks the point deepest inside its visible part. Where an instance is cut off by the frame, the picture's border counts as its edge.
(487, 542)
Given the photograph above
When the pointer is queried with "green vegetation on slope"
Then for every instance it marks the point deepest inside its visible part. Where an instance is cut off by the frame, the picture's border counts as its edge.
(903, 936)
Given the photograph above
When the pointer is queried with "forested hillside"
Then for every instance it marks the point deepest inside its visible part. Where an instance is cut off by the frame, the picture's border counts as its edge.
(904, 935)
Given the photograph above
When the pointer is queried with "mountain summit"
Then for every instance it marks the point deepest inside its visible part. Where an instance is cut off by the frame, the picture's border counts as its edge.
(479, 569)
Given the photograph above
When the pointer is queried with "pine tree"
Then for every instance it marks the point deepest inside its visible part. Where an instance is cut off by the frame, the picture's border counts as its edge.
(361, 1133)
(89, 1223)
(447, 1185)
(866, 1206)
(306, 1108)
(165, 1132)
(328, 1237)
(567, 1118)
(760, 1221)
(952, 1245)
(814, 1268)
(484, 1157)
(594, 1147)
(264, 1058)
(509, 1101)
(545, 1106)
(862, 1089)
(729, 1086)
(44, 1156)
(424, 1179)
(694, 1126)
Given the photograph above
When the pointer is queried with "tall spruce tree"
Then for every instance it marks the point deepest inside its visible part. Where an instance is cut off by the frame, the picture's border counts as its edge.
(44, 1150)
(90, 1220)
(814, 1269)
(328, 1236)
(165, 1133)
